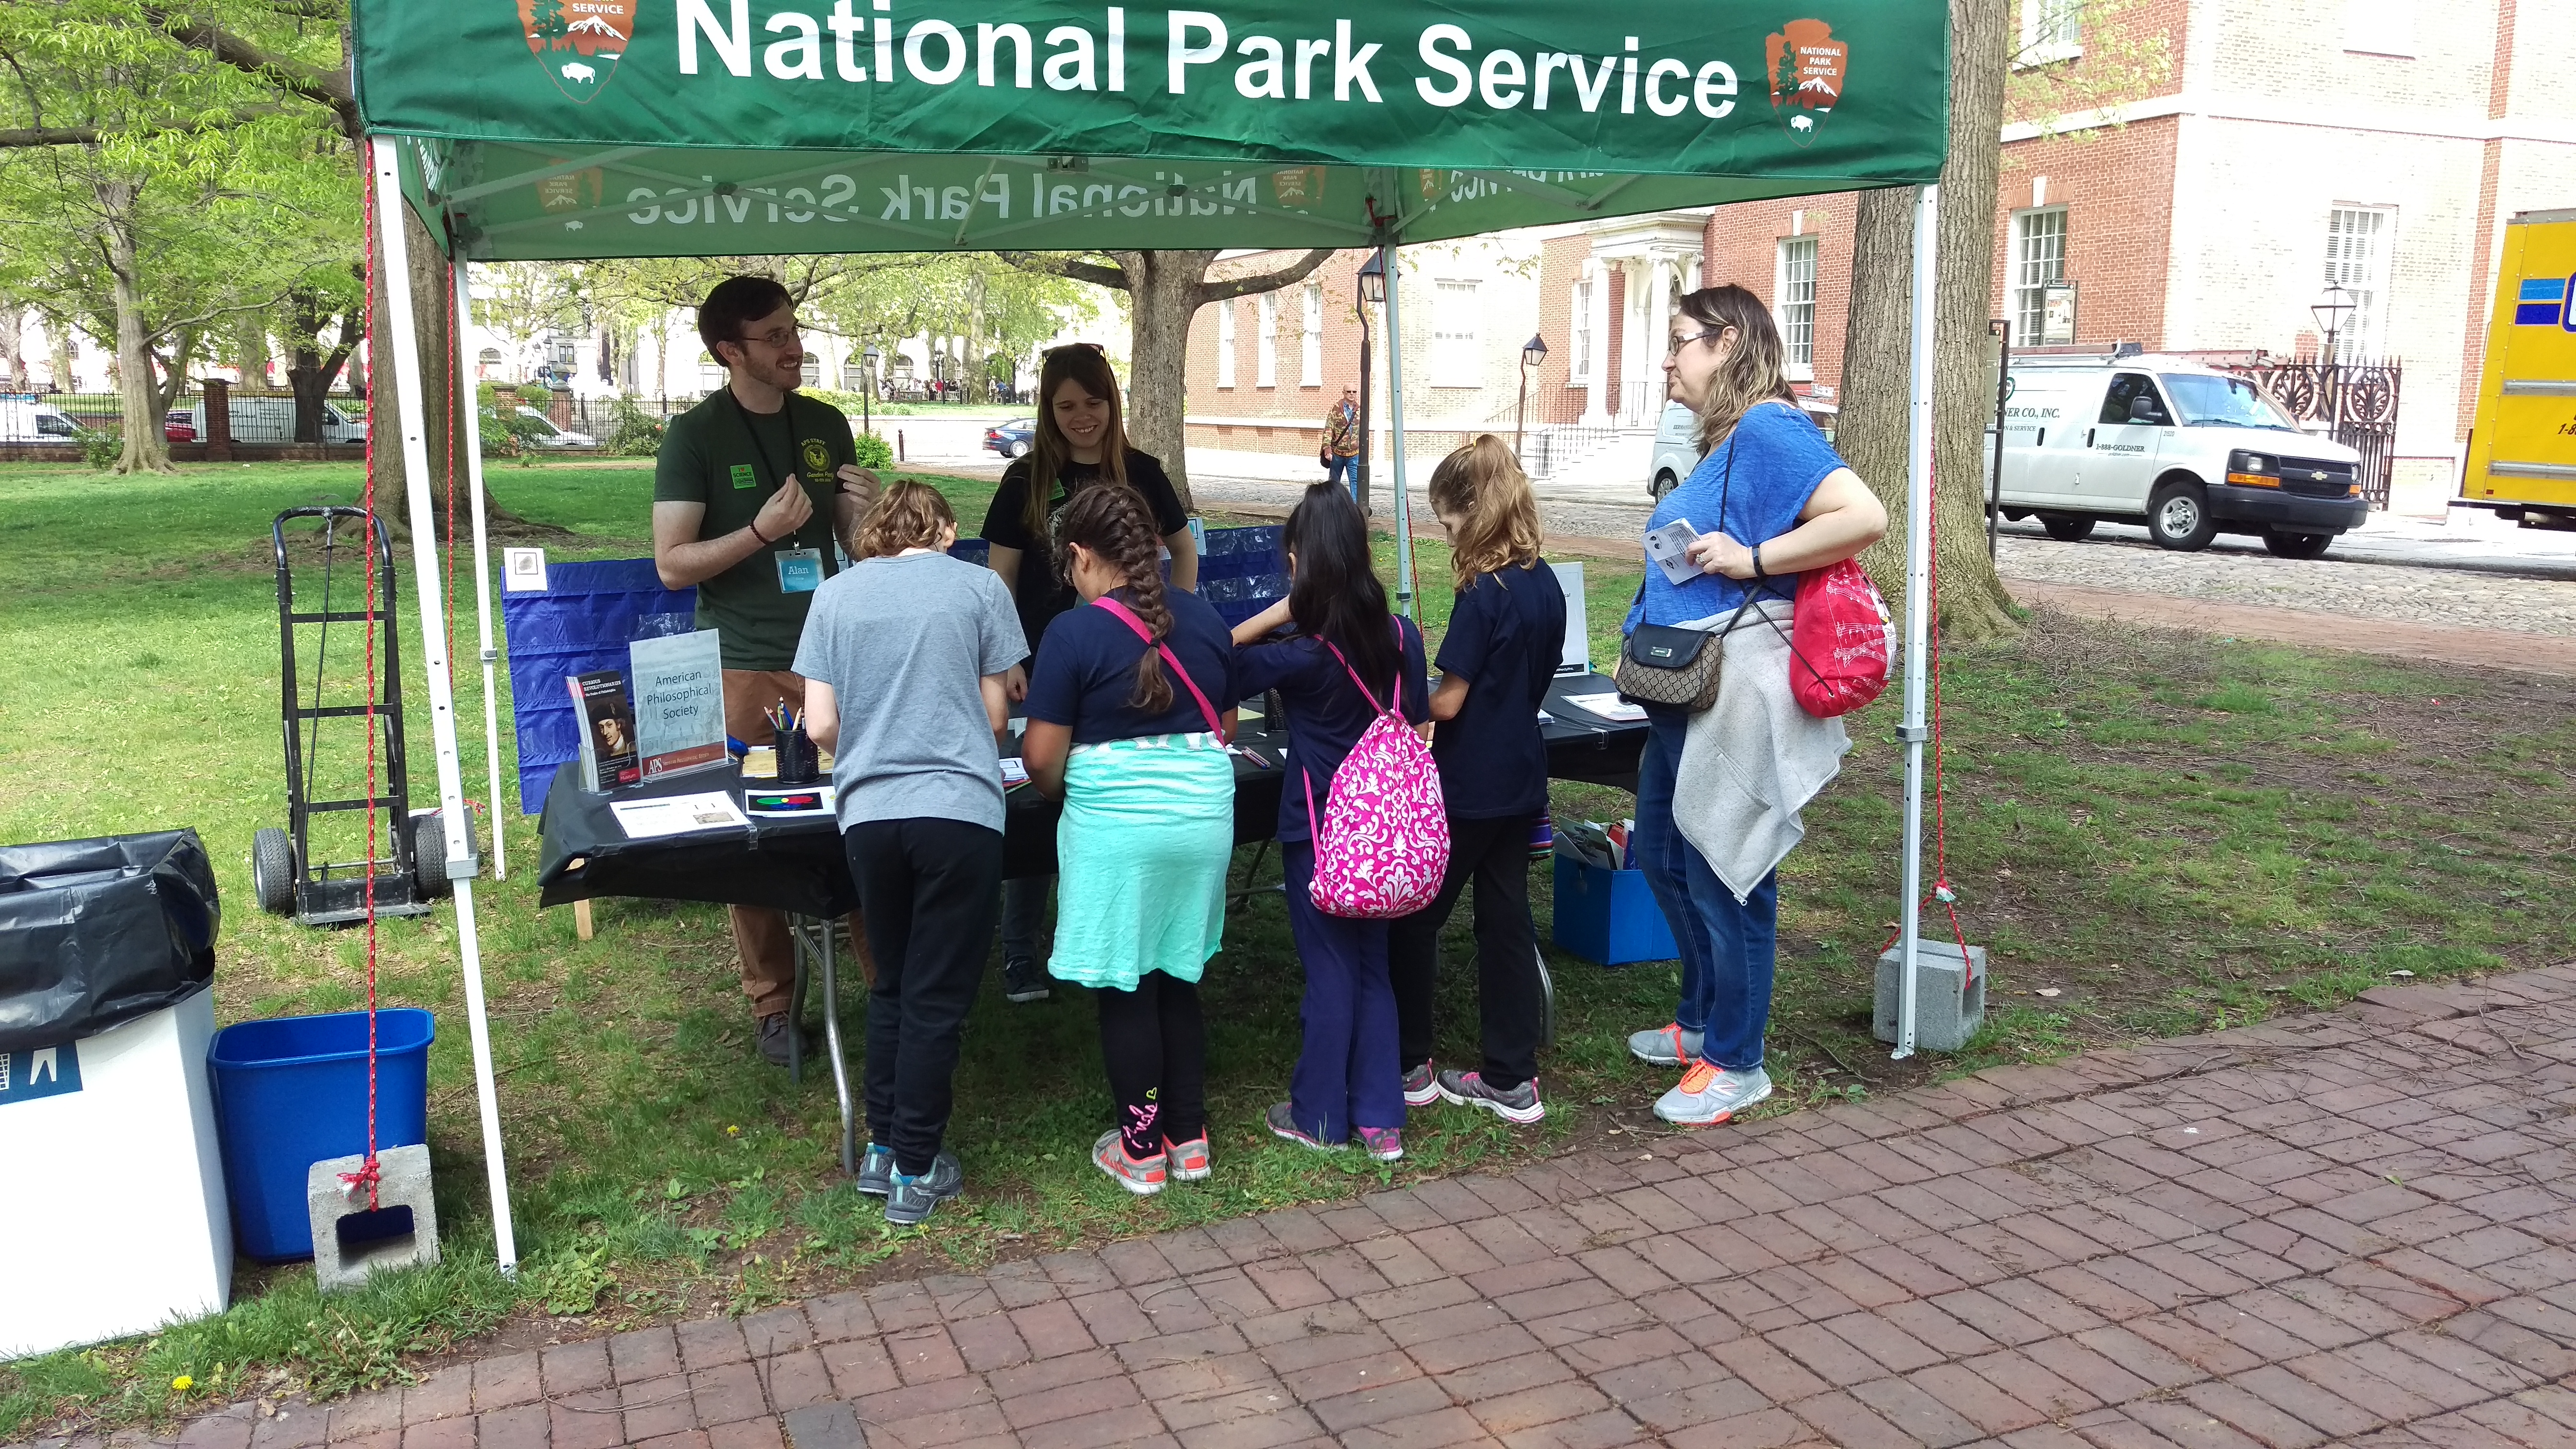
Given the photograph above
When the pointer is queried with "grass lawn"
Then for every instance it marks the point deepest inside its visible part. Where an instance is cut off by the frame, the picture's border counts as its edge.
(2154, 834)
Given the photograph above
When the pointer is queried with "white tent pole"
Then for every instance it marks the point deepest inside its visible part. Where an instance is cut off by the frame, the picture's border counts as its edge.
(1918, 600)
(1395, 416)
(404, 357)
(473, 445)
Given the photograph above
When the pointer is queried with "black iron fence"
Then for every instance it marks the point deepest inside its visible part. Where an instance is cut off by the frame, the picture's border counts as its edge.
(2356, 402)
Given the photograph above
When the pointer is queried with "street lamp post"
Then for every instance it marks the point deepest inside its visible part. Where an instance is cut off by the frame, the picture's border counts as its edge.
(2330, 311)
(1533, 352)
(868, 389)
(1372, 293)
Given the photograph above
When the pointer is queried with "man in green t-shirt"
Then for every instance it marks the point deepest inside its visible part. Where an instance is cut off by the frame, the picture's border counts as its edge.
(751, 491)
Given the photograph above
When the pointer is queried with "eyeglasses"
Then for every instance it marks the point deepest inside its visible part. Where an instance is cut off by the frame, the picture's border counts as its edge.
(1680, 340)
(777, 337)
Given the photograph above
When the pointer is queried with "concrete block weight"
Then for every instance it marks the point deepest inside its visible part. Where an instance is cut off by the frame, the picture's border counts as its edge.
(349, 1241)
(1950, 994)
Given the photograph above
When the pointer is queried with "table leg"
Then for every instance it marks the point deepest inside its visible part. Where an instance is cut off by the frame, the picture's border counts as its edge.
(840, 1066)
(796, 1010)
(581, 924)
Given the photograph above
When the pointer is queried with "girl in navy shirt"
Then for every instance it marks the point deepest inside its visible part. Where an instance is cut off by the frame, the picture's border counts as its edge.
(1347, 1080)
(1506, 634)
(1131, 735)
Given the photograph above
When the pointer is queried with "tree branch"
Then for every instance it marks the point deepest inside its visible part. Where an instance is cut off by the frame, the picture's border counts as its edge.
(33, 137)
(328, 88)
(202, 318)
(1287, 276)
(1044, 265)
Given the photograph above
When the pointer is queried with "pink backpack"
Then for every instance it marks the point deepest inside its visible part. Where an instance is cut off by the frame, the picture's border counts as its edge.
(1382, 843)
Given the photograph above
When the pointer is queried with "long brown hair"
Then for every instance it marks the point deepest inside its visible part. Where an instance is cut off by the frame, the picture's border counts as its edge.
(1111, 520)
(1483, 484)
(1753, 373)
(1050, 451)
(1335, 594)
(909, 514)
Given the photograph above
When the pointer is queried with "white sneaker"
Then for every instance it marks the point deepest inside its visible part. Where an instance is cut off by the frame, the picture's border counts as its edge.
(1708, 1096)
(1665, 1046)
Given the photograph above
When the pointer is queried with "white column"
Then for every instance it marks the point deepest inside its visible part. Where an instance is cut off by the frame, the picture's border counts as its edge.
(1652, 332)
(1596, 385)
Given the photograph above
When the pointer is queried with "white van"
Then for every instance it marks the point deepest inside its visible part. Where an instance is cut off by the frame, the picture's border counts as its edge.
(25, 420)
(262, 419)
(2187, 451)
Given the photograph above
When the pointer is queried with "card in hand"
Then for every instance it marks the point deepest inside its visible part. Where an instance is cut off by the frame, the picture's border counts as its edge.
(1670, 547)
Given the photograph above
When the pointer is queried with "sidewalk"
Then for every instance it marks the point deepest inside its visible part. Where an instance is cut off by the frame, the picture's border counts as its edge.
(2349, 1228)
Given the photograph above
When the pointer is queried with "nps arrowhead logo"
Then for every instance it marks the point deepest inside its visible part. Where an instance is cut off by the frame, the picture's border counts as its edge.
(579, 42)
(1807, 66)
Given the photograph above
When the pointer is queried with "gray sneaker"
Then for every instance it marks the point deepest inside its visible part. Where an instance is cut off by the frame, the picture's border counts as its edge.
(1420, 1090)
(1665, 1046)
(1023, 980)
(910, 1199)
(1469, 1089)
(876, 1170)
(1708, 1095)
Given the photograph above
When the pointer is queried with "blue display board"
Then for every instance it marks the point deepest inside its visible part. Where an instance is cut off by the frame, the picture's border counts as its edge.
(583, 620)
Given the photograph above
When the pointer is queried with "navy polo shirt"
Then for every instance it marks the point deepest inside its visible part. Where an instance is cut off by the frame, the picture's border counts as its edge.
(1326, 715)
(1086, 669)
(1506, 636)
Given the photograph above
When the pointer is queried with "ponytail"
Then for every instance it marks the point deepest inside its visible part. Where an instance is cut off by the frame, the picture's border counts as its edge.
(1110, 519)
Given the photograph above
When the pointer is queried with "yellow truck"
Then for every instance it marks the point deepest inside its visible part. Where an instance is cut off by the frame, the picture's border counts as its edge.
(2522, 445)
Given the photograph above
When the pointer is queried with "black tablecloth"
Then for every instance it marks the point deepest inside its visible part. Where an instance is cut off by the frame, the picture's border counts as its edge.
(797, 865)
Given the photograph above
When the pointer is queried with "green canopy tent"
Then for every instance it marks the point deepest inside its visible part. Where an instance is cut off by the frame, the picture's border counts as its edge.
(562, 129)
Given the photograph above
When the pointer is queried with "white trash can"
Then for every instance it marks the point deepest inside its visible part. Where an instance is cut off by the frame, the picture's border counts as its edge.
(113, 1219)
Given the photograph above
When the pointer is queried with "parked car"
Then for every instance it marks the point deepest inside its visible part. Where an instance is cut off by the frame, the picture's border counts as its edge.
(267, 419)
(545, 434)
(1676, 450)
(1011, 439)
(2186, 450)
(24, 420)
(179, 426)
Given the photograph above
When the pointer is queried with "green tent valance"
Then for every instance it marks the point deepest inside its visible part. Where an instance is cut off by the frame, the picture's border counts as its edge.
(587, 128)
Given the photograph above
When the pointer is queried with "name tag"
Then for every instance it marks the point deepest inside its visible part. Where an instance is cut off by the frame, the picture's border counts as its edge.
(743, 477)
(800, 570)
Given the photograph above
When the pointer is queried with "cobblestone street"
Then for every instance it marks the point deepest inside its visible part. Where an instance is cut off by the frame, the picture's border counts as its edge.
(2259, 1237)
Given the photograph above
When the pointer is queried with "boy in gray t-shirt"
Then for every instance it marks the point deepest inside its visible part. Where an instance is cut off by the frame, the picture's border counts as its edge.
(904, 655)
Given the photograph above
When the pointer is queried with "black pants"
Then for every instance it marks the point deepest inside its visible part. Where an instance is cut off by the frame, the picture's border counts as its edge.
(929, 892)
(1496, 853)
(1155, 1045)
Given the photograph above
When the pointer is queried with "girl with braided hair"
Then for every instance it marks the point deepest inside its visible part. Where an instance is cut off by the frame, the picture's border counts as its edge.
(1130, 705)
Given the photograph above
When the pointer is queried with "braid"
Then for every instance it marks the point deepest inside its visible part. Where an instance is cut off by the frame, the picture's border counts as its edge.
(1110, 519)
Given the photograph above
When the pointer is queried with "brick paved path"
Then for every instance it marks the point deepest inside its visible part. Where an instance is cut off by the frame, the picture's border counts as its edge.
(2256, 1237)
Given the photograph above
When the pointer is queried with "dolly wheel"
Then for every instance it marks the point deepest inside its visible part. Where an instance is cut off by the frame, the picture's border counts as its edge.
(429, 857)
(272, 870)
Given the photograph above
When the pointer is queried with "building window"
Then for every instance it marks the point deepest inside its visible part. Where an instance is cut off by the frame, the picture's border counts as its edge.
(1794, 297)
(811, 371)
(1267, 359)
(1310, 371)
(2051, 30)
(2039, 258)
(1580, 372)
(1453, 335)
(2379, 27)
(1225, 343)
(2357, 260)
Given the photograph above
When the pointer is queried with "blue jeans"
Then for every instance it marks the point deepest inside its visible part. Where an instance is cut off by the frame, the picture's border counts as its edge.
(1347, 1074)
(1344, 471)
(1729, 947)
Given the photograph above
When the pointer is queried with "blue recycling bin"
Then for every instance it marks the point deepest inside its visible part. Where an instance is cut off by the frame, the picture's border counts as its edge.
(291, 1092)
(1609, 916)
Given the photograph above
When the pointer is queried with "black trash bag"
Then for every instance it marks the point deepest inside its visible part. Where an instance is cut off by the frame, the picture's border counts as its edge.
(94, 933)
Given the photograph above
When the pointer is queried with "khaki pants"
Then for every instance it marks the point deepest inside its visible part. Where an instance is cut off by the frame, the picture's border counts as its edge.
(760, 935)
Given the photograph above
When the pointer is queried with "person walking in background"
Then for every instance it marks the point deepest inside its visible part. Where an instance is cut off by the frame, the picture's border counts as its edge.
(1347, 658)
(1506, 634)
(1080, 441)
(750, 488)
(904, 657)
(1130, 706)
(1769, 500)
(1341, 455)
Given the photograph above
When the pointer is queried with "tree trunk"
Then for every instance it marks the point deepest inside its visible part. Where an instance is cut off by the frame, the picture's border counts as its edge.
(1974, 604)
(13, 344)
(146, 449)
(251, 350)
(1163, 294)
(58, 351)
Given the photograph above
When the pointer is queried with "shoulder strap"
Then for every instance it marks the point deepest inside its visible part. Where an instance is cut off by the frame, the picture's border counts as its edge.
(1374, 706)
(1127, 615)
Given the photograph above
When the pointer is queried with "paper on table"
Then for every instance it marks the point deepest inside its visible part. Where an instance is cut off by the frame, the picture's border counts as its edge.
(1013, 772)
(678, 814)
(791, 801)
(1609, 706)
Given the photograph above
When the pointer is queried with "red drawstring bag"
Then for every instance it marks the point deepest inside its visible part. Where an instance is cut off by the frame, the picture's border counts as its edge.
(1842, 641)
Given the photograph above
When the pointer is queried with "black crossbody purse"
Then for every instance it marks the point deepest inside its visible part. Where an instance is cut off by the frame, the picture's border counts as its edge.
(1661, 664)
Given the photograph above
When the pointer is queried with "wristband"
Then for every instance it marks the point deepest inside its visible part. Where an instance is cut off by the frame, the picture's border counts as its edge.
(754, 526)
(1757, 563)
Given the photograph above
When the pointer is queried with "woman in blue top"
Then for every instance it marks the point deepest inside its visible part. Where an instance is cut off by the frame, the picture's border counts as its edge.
(1131, 735)
(1506, 634)
(1770, 499)
(1347, 1078)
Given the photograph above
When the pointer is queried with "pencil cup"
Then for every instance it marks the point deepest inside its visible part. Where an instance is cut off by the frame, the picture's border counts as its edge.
(797, 762)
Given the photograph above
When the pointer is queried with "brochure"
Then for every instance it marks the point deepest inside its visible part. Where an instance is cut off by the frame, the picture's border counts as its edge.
(607, 729)
(678, 815)
(1609, 706)
(679, 703)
